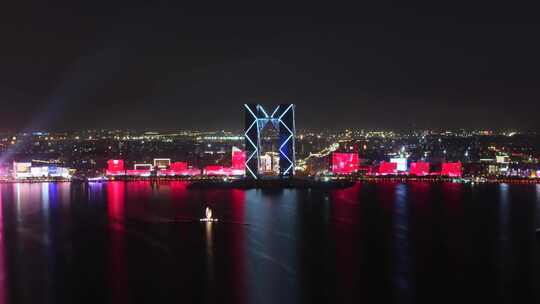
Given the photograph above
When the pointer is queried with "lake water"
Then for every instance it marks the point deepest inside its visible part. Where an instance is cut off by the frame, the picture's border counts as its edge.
(387, 242)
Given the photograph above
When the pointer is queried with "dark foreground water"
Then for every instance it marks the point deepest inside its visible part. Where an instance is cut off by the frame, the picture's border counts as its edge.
(373, 243)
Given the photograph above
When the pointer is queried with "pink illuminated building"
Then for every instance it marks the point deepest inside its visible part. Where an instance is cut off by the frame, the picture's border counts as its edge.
(138, 172)
(179, 166)
(419, 168)
(222, 171)
(238, 159)
(386, 168)
(115, 167)
(344, 163)
(179, 169)
(217, 170)
(452, 169)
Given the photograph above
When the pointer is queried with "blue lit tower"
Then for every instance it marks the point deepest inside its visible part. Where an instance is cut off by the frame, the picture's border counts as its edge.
(282, 118)
(252, 133)
(287, 136)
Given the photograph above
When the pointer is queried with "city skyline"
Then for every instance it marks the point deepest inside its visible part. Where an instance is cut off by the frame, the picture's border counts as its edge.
(220, 152)
(140, 66)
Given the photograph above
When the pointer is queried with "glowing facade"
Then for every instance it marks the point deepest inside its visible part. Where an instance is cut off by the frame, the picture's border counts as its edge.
(344, 163)
(148, 167)
(115, 167)
(22, 170)
(238, 159)
(269, 163)
(140, 170)
(386, 168)
(282, 118)
(401, 163)
(162, 163)
(419, 168)
(217, 170)
(26, 170)
(451, 169)
(178, 169)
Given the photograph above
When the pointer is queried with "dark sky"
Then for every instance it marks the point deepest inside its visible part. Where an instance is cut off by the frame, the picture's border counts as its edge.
(161, 66)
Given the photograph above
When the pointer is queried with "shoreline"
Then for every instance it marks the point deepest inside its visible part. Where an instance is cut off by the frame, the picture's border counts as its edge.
(219, 182)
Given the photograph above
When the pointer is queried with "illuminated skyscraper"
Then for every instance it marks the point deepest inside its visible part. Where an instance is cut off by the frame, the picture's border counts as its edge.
(282, 118)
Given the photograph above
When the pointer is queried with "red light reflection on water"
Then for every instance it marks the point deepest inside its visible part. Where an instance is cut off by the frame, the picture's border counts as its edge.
(180, 195)
(181, 208)
(139, 189)
(179, 191)
(229, 208)
(138, 194)
(238, 246)
(345, 205)
(116, 212)
(453, 198)
(238, 199)
(419, 194)
(386, 195)
(116, 200)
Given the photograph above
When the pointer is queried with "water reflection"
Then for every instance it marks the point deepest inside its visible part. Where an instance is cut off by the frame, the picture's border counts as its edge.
(18, 201)
(345, 215)
(45, 200)
(48, 234)
(538, 206)
(209, 252)
(402, 254)
(95, 192)
(45, 212)
(115, 208)
(386, 242)
(272, 246)
(536, 274)
(238, 247)
(36, 241)
(3, 264)
(504, 241)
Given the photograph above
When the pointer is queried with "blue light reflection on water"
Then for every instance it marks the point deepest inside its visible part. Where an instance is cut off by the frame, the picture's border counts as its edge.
(284, 246)
(504, 242)
(271, 245)
(402, 255)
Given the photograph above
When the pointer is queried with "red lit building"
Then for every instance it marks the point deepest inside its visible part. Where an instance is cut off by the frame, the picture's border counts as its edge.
(238, 159)
(222, 171)
(139, 172)
(419, 168)
(451, 169)
(344, 163)
(115, 167)
(386, 168)
(216, 170)
(178, 166)
(179, 169)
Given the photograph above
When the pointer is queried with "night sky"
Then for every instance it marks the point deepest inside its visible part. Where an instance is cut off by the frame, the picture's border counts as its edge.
(160, 66)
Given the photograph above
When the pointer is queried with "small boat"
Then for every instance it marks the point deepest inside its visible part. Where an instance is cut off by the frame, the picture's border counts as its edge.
(208, 216)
